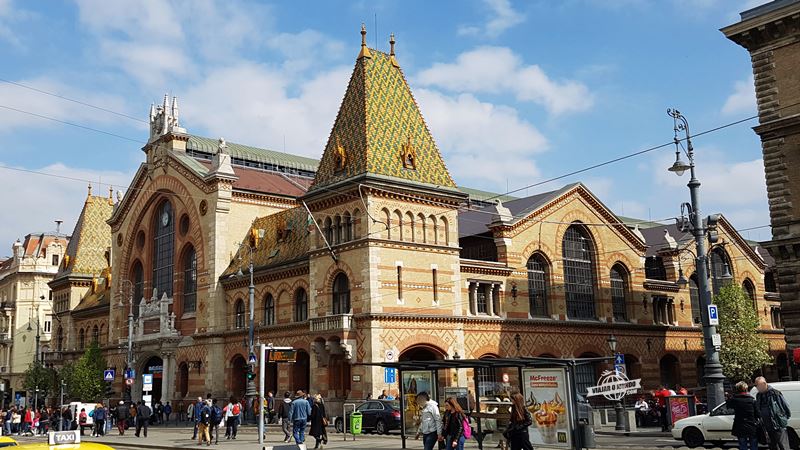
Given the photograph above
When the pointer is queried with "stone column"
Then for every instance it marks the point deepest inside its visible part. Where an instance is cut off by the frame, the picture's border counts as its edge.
(489, 293)
(498, 299)
(167, 377)
(473, 298)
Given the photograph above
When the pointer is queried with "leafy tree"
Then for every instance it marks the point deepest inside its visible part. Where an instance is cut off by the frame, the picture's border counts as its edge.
(84, 378)
(743, 349)
(40, 377)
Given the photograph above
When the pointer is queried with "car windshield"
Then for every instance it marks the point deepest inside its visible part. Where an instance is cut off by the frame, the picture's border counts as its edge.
(393, 403)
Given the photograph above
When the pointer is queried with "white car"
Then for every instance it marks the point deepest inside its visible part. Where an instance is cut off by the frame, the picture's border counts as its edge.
(716, 426)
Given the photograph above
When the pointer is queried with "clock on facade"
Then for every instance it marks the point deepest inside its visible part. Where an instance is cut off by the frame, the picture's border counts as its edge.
(164, 218)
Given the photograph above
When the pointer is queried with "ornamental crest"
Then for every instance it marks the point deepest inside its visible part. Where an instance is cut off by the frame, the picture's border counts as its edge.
(408, 155)
(340, 158)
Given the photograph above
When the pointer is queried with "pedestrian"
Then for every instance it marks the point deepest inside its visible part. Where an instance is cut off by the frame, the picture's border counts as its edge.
(167, 411)
(681, 390)
(99, 420)
(44, 421)
(7, 421)
(319, 422)
(232, 415)
(66, 418)
(27, 421)
(453, 425)
(745, 417)
(132, 411)
(661, 400)
(216, 420)
(179, 413)
(430, 422)
(270, 407)
(194, 413)
(283, 416)
(774, 413)
(143, 413)
(299, 411)
(83, 418)
(122, 417)
(383, 395)
(16, 419)
(204, 424)
(517, 431)
(642, 408)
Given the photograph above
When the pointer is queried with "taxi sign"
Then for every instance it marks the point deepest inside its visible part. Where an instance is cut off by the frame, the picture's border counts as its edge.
(64, 437)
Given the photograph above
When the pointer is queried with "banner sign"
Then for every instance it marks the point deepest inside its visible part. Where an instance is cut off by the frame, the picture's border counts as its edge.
(546, 397)
(414, 382)
(614, 386)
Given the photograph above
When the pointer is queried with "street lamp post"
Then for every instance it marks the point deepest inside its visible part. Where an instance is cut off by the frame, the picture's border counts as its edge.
(621, 422)
(713, 369)
(250, 391)
(129, 355)
(38, 334)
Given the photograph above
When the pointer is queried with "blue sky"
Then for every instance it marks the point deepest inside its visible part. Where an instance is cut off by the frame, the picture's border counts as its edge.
(514, 92)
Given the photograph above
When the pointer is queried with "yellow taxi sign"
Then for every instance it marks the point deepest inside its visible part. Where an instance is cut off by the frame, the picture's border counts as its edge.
(64, 437)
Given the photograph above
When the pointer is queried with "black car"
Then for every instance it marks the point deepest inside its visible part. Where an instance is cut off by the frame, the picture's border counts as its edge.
(380, 416)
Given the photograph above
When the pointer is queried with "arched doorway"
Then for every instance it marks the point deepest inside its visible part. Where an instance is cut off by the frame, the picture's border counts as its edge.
(238, 377)
(421, 353)
(271, 378)
(670, 371)
(183, 380)
(155, 367)
(301, 371)
(633, 367)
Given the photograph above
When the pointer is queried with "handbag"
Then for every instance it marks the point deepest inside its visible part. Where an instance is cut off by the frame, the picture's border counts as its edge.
(324, 421)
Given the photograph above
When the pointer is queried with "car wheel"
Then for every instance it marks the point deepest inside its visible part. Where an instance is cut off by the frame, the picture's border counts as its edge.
(794, 440)
(339, 425)
(693, 437)
(380, 427)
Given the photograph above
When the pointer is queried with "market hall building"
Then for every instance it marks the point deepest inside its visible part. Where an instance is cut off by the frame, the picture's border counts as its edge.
(373, 252)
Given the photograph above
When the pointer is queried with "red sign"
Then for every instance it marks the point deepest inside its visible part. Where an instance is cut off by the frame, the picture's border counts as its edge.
(796, 355)
(679, 408)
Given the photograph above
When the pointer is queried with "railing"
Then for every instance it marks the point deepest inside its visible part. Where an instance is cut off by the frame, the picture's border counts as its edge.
(331, 323)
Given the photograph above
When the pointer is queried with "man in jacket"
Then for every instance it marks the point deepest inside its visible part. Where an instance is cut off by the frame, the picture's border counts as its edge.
(283, 416)
(430, 421)
(299, 411)
(143, 413)
(194, 415)
(122, 417)
(774, 414)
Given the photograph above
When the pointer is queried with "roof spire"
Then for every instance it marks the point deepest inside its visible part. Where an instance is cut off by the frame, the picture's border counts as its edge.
(90, 190)
(364, 50)
(391, 51)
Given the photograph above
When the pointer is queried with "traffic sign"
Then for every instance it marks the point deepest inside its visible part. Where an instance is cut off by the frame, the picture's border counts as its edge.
(108, 375)
(130, 373)
(389, 375)
(713, 315)
(620, 368)
(147, 382)
(129, 381)
(252, 359)
(716, 340)
(389, 355)
(619, 359)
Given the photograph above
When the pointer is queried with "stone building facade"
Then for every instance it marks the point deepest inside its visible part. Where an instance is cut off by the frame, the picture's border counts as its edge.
(375, 251)
(771, 34)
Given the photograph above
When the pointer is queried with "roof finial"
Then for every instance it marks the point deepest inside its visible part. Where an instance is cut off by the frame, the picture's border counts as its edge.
(391, 44)
(364, 50)
(90, 190)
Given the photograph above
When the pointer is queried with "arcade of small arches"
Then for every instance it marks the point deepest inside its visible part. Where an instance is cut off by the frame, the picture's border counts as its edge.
(418, 228)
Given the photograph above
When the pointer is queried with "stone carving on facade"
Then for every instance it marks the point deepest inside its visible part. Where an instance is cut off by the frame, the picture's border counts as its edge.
(165, 119)
(156, 309)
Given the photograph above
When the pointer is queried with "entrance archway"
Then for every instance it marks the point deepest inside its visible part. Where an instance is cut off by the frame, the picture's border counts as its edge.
(301, 371)
(183, 380)
(271, 378)
(238, 377)
(670, 371)
(421, 353)
(155, 367)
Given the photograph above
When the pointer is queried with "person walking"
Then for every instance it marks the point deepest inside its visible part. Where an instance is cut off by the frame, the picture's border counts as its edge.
(270, 400)
(167, 411)
(159, 413)
(66, 419)
(143, 413)
(774, 413)
(99, 420)
(122, 417)
(232, 414)
(661, 400)
(216, 420)
(745, 417)
(132, 411)
(82, 419)
(283, 416)
(194, 414)
(299, 411)
(453, 425)
(517, 431)
(204, 424)
(7, 421)
(430, 426)
(319, 422)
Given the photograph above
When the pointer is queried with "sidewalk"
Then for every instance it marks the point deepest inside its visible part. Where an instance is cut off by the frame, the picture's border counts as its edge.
(641, 432)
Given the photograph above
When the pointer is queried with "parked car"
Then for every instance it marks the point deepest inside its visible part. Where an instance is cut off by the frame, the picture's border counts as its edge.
(380, 416)
(6, 441)
(716, 426)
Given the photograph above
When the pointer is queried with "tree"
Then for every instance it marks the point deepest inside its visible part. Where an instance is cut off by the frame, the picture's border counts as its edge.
(743, 349)
(84, 378)
(39, 377)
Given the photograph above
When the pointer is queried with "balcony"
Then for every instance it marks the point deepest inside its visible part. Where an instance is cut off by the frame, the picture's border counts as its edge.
(5, 338)
(339, 322)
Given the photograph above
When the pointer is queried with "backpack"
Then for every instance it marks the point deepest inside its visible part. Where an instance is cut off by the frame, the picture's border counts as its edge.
(205, 416)
(216, 415)
(467, 428)
(236, 409)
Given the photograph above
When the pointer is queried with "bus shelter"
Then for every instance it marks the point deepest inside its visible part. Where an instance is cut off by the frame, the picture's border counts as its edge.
(561, 417)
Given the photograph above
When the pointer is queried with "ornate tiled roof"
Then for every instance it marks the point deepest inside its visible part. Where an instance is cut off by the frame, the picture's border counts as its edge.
(379, 130)
(91, 238)
(98, 296)
(285, 240)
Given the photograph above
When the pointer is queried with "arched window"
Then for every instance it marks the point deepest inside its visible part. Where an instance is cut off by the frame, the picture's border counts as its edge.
(95, 335)
(769, 282)
(434, 230)
(138, 287)
(578, 273)
(537, 285)
(189, 280)
(411, 236)
(163, 249)
(619, 288)
(720, 269)
(445, 240)
(300, 305)
(387, 219)
(338, 229)
(398, 225)
(347, 223)
(269, 310)
(328, 229)
(239, 314)
(81, 339)
(694, 297)
(750, 289)
(423, 228)
(341, 294)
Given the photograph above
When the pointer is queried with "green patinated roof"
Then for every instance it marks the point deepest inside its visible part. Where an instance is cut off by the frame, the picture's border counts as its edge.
(91, 238)
(246, 152)
(483, 196)
(377, 117)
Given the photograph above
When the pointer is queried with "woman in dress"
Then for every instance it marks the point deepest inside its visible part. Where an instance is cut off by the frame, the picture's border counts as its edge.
(319, 422)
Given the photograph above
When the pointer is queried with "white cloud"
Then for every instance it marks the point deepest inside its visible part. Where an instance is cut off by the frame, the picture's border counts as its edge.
(55, 198)
(301, 50)
(8, 15)
(742, 100)
(482, 142)
(498, 70)
(502, 16)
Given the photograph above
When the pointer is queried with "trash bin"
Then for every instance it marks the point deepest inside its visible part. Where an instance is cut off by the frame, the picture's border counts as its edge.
(355, 423)
(586, 434)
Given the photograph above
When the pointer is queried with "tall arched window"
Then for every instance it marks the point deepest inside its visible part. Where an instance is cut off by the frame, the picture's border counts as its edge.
(189, 280)
(328, 229)
(720, 269)
(300, 305)
(619, 288)
(694, 297)
(578, 273)
(338, 233)
(81, 339)
(341, 294)
(163, 249)
(347, 224)
(387, 218)
(750, 289)
(537, 285)
(269, 310)
(138, 287)
(239, 314)
(95, 335)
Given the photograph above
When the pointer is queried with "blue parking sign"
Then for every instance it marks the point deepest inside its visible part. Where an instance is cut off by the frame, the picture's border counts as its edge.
(389, 375)
(713, 315)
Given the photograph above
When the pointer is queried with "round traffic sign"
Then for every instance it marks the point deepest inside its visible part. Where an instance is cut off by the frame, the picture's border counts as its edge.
(129, 381)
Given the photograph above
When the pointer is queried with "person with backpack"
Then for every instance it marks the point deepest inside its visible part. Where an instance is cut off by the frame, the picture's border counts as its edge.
(122, 417)
(517, 431)
(216, 420)
(143, 413)
(232, 413)
(775, 414)
(204, 424)
(82, 419)
(167, 411)
(453, 429)
(99, 418)
(283, 416)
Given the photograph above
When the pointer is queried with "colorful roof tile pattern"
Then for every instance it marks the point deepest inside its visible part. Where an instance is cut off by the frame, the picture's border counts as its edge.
(91, 238)
(285, 240)
(378, 123)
